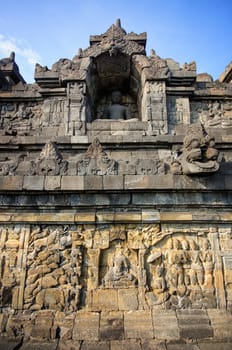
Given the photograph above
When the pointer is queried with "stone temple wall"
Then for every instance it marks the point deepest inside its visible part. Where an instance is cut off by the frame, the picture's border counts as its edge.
(115, 229)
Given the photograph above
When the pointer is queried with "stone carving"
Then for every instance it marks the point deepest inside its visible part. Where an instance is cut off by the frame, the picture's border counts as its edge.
(182, 275)
(116, 110)
(54, 269)
(119, 275)
(154, 106)
(76, 108)
(59, 267)
(199, 153)
(115, 40)
(96, 162)
(50, 161)
(17, 121)
(9, 166)
(10, 266)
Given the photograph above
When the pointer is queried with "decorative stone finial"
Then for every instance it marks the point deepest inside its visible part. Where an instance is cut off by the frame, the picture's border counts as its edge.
(12, 56)
(118, 23)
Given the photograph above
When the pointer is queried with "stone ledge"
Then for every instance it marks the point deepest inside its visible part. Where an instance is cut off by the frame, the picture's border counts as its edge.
(11, 183)
(215, 182)
(95, 217)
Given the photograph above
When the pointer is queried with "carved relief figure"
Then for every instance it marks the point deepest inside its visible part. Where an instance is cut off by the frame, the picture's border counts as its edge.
(182, 275)
(119, 275)
(54, 269)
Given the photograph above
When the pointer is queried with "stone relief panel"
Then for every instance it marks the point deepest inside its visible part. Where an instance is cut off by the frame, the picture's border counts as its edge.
(68, 267)
(178, 110)
(53, 112)
(181, 273)
(12, 255)
(54, 270)
(212, 114)
(19, 118)
(76, 108)
(154, 108)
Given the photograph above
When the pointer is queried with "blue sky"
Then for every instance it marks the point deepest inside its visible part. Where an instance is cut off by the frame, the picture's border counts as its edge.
(46, 30)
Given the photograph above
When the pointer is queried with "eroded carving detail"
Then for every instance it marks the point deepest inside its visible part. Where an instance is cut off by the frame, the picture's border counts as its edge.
(199, 153)
(96, 162)
(50, 161)
(54, 268)
(60, 267)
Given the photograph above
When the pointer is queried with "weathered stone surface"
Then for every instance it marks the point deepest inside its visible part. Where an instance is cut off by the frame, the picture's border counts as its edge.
(33, 183)
(86, 326)
(165, 324)
(105, 300)
(115, 202)
(111, 326)
(52, 183)
(138, 324)
(72, 183)
(11, 183)
(128, 299)
(194, 324)
(101, 345)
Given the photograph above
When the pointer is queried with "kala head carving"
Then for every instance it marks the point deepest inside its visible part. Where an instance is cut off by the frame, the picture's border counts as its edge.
(199, 153)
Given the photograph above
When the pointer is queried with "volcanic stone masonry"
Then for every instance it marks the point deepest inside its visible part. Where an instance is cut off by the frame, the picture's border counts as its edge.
(115, 202)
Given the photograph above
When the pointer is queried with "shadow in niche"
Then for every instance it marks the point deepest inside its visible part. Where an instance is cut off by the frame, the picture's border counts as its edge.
(113, 73)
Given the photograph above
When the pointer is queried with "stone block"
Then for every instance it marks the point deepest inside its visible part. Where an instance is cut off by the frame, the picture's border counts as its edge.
(150, 216)
(86, 326)
(138, 324)
(52, 183)
(85, 217)
(146, 182)
(130, 344)
(182, 346)
(105, 300)
(128, 299)
(93, 182)
(111, 326)
(175, 216)
(105, 217)
(152, 344)
(33, 183)
(165, 324)
(38, 345)
(11, 183)
(40, 332)
(80, 139)
(127, 217)
(90, 345)
(72, 183)
(113, 182)
(221, 321)
(194, 324)
(69, 345)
